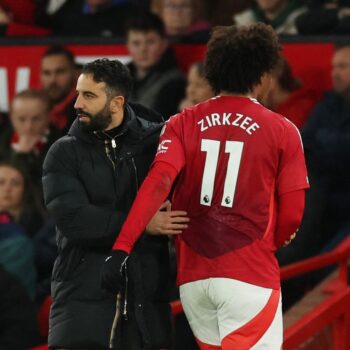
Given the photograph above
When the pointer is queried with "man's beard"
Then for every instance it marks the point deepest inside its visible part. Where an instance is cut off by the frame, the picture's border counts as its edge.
(99, 121)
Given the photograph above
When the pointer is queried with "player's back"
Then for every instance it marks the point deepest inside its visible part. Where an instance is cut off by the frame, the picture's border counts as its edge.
(232, 150)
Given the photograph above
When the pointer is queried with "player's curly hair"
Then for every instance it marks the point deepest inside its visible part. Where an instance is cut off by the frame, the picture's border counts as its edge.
(238, 57)
(113, 73)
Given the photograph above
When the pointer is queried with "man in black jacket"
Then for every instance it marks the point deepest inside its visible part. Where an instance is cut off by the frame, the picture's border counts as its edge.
(90, 179)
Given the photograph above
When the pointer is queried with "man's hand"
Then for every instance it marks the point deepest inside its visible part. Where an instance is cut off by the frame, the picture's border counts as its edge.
(112, 271)
(167, 222)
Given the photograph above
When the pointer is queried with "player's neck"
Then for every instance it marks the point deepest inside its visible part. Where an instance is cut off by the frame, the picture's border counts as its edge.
(227, 93)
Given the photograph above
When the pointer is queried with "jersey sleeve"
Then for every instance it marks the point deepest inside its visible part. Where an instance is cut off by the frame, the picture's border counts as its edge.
(153, 191)
(292, 173)
(290, 213)
(170, 148)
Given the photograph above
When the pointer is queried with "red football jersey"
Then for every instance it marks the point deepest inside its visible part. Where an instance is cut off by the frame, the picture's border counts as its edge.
(236, 157)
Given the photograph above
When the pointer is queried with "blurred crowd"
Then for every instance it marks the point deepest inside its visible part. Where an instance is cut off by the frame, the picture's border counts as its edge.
(185, 19)
(38, 117)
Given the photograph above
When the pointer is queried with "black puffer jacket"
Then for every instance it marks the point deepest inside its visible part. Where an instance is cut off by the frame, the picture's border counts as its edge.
(89, 196)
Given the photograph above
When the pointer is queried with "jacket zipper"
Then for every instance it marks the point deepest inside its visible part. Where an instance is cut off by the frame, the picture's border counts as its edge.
(135, 169)
(108, 154)
(114, 147)
(125, 310)
(124, 265)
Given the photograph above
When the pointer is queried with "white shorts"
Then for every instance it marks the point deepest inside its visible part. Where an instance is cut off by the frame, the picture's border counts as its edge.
(229, 314)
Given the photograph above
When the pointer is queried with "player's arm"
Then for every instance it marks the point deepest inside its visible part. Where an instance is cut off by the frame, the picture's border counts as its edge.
(290, 213)
(152, 194)
(291, 185)
(154, 190)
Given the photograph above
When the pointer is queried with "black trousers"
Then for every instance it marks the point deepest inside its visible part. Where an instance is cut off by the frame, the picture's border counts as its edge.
(129, 337)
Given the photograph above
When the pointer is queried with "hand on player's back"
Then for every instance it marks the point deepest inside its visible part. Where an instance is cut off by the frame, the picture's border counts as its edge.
(168, 222)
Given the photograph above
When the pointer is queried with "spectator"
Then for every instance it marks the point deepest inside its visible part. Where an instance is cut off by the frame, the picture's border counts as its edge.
(327, 149)
(325, 17)
(30, 134)
(46, 8)
(20, 198)
(91, 18)
(220, 12)
(280, 14)
(16, 248)
(22, 217)
(58, 77)
(28, 246)
(198, 88)
(289, 96)
(52, 6)
(17, 18)
(91, 177)
(18, 320)
(183, 19)
(158, 83)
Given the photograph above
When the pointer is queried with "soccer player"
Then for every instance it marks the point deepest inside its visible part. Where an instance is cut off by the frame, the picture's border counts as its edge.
(240, 175)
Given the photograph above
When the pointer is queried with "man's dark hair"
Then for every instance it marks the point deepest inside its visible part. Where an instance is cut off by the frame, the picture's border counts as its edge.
(146, 23)
(343, 43)
(113, 73)
(238, 57)
(56, 50)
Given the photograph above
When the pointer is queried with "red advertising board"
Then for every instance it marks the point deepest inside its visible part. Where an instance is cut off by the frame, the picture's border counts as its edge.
(20, 64)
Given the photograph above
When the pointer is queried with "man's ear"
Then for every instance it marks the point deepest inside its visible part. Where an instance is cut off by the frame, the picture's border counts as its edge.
(117, 104)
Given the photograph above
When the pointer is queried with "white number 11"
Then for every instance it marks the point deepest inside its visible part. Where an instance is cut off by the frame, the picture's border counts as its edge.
(212, 148)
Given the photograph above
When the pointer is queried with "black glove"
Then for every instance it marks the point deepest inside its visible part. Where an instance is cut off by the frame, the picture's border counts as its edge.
(112, 271)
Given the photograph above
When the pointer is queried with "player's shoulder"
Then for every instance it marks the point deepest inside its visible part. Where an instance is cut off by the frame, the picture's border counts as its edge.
(191, 114)
(277, 120)
(286, 129)
(288, 126)
(178, 119)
